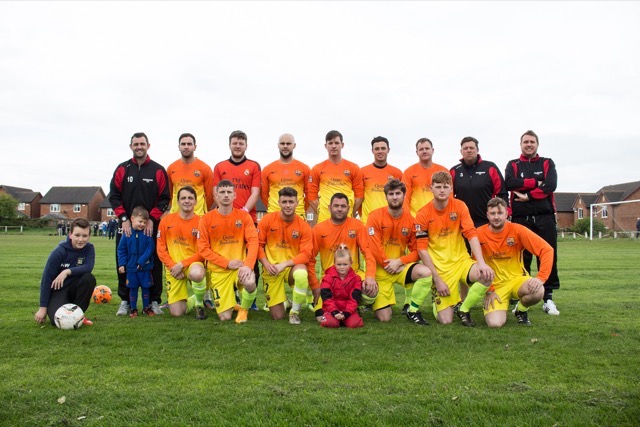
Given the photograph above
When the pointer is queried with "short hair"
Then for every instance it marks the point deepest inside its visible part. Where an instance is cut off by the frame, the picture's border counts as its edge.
(79, 222)
(139, 135)
(331, 135)
(341, 253)
(380, 139)
(140, 211)
(224, 183)
(189, 135)
(395, 184)
(530, 133)
(188, 189)
(238, 134)
(421, 140)
(288, 192)
(469, 139)
(442, 177)
(495, 202)
(338, 196)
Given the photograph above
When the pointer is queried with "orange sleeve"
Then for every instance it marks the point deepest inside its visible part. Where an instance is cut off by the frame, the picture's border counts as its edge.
(537, 246)
(251, 237)
(314, 184)
(311, 266)
(161, 245)
(466, 223)
(375, 243)
(406, 179)
(357, 183)
(422, 230)
(208, 187)
(369, 259)
(264, 189)
(263, 228)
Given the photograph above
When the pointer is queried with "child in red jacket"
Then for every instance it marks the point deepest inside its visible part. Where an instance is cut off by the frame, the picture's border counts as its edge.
(341, 291)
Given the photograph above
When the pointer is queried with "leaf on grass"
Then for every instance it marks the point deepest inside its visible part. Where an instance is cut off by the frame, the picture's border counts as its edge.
(534, 340)
(506, 346)
(454, 398)
(62, 399)
(81, 417)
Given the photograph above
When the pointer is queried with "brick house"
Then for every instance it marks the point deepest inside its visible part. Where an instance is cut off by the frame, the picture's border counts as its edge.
(72, 202)
(565, 216)
(616, 217)
(28, 200)
(106, 212)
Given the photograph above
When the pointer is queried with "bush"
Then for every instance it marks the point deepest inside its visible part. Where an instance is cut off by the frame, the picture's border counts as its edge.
(582, 226)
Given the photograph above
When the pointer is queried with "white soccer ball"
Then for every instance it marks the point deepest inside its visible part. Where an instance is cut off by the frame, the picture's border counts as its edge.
(69, 316)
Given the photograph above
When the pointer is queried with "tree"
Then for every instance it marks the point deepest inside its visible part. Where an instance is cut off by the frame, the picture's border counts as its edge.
(582, 226)
(8, 206)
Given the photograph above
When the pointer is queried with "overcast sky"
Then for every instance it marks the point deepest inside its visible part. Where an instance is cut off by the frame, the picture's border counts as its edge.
(78, 79)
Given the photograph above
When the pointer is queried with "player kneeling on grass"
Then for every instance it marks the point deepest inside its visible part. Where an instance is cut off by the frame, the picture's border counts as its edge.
(502, 245)
(177, 247)
(393, 245)
(440, 227)
(135, 257)
(341, 291)
(228, 241)
(285, 246)
(67, 275)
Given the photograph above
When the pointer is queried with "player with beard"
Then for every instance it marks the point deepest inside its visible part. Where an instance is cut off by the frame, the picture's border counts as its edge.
(502, 245)
(285, 172)
(393, 245)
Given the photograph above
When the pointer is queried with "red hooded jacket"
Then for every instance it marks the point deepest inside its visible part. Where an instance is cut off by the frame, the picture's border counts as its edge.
(340, 294)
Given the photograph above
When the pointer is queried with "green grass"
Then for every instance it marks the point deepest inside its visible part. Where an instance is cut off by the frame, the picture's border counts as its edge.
(581, 368)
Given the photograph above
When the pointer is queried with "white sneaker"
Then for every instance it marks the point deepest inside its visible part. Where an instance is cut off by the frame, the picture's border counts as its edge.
(549, 307)
(156, 308)
(123, 309)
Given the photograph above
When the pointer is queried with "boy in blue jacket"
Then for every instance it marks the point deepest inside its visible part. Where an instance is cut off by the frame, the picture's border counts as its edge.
(67, 275)
(135, 257)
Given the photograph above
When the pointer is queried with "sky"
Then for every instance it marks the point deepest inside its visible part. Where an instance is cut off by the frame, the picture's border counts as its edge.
(77, 79)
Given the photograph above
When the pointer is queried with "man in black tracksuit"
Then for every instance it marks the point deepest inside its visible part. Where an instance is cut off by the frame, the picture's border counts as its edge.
(532, 180)
(476, 181)
(140, 182)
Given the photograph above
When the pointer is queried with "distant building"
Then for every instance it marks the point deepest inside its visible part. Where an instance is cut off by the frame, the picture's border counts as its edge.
(72, 202)
(616, 217)
(28, 200)
(106, 212)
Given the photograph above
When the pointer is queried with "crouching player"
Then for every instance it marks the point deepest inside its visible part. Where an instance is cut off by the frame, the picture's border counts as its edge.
(502, 245)
(393, 245)
(341, 292)
(285, 246)
(439, 227)
(228, 241)
(177, 247)
(67, 275)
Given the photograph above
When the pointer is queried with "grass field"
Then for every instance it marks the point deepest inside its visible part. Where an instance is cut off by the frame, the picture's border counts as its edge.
(581, 368)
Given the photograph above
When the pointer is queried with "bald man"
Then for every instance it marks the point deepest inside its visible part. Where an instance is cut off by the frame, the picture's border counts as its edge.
(285, 172)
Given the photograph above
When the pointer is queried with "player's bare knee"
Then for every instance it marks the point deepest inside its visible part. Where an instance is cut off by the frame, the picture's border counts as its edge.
(225, 315)
(495, 323)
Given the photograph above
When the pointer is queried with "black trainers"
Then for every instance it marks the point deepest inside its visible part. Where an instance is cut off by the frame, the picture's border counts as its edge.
(465, 318)
(405, 309)
(523, 318)
(416, 317)
(200, 314)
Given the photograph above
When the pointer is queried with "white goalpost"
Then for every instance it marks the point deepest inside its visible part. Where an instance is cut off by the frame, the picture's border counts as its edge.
(595, 205)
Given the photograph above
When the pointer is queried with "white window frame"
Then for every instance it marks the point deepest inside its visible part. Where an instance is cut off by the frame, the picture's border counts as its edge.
(22, 206)
(110, 212)
(605, 212)
(54, 207)
(77, 208)
(580, 213)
